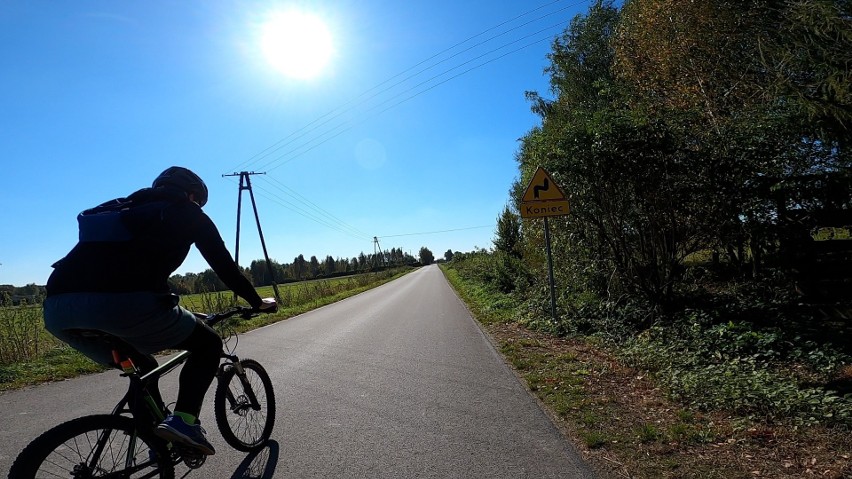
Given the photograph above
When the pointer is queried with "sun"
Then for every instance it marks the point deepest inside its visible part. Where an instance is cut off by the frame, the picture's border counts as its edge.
(298, 44)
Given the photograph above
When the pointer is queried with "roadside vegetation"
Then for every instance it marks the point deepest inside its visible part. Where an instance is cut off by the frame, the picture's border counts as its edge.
(684, 400)
(703, 323)
(30, 355)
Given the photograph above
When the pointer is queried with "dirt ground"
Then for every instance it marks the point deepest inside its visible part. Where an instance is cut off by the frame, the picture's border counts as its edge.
(626, 427)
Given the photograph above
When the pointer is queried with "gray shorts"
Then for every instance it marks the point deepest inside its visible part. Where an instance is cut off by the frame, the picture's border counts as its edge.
(149, 322)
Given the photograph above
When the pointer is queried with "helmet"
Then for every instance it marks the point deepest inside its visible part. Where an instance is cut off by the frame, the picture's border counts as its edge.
(185, 180)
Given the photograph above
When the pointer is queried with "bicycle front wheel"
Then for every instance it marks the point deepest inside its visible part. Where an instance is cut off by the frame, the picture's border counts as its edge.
(245, 406)
(91, 447)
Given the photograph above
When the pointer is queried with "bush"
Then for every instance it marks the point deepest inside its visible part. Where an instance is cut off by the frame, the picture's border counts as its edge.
(736, 368)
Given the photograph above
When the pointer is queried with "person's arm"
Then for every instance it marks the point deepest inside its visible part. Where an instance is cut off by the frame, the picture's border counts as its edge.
(211, 246)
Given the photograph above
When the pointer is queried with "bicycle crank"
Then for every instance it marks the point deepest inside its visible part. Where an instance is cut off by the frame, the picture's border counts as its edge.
(191, 457)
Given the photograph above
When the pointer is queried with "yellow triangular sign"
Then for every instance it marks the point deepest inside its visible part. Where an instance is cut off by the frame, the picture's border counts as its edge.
(542, 188)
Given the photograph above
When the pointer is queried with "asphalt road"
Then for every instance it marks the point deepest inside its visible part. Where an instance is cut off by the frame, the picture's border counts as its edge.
(397, 382)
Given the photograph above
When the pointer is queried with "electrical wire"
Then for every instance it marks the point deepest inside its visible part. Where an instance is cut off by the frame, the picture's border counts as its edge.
(346, 126)
(298, 197)
(436, 232)
(336, 113)
(283, 202)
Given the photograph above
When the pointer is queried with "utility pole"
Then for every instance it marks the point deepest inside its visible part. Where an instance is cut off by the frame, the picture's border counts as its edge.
(245, 184)
(377, 250)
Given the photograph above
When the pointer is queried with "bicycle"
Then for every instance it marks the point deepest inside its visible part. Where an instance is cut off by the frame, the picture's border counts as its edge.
(122, 444)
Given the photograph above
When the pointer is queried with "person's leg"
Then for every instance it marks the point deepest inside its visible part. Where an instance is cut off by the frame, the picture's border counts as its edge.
(195, 378)
(198, 371)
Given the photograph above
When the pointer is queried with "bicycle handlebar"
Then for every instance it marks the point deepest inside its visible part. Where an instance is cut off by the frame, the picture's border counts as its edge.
(244, 311)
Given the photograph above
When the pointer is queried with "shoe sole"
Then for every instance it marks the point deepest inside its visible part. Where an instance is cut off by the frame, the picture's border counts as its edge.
(173, 435)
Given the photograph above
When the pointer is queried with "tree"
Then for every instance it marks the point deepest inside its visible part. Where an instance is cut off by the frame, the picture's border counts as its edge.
(329, 265)
(508, 234)
(426, 256)
(300, 267)
(208, 281)
(808, 55)
(314, 267)
(448, 255)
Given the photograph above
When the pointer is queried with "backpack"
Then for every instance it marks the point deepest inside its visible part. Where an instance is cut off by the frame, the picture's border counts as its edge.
(120, 219)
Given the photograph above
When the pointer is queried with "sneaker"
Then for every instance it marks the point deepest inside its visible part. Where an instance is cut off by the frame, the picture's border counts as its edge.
(174, 429)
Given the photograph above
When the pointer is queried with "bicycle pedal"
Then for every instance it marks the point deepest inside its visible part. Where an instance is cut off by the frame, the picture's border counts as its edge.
(191, 457)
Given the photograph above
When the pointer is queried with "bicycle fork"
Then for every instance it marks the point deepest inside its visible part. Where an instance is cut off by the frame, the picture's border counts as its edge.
(237, 404)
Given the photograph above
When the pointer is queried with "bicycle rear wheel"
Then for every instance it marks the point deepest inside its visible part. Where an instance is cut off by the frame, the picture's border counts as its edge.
(91, 447)
(245, 406)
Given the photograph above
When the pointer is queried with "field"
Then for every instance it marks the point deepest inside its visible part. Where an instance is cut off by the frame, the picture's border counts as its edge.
(30, 355)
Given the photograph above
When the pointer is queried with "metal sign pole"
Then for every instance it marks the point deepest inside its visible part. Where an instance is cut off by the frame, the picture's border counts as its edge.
(550, 269)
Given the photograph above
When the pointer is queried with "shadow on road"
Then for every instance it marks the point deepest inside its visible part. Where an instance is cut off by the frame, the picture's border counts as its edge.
(259, 464)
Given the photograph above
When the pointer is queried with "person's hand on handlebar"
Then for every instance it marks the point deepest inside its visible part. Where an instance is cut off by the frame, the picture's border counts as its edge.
(268, 306)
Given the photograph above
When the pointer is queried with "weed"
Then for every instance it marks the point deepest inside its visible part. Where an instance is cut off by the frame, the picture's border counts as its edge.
(648, 433)
(594, 439)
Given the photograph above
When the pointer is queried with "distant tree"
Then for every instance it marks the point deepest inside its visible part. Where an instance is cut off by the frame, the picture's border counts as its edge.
(329, 266)
(260, 273)
(208, 282)
(448, 255)
(179, 285)
(300, 267)
(5, 298)
(314, 267)
(426, 256)
(508, 239)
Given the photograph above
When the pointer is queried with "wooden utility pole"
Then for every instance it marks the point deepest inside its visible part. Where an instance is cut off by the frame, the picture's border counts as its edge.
(245, 184)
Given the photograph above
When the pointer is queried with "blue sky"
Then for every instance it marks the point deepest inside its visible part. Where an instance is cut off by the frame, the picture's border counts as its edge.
(411, 127)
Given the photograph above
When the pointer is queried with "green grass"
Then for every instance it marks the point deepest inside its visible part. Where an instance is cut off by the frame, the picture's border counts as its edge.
(30, 355)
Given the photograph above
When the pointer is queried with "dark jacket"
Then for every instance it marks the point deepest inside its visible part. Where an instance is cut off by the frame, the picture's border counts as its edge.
(164, 224)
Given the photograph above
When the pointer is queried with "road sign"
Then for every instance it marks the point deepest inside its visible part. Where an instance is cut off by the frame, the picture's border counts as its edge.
(543, 197)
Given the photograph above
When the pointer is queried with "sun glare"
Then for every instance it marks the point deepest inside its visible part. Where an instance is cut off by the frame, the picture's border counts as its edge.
(297, 44)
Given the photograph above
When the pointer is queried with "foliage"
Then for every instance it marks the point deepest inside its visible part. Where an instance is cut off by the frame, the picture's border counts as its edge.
(22, 334)
(666, 127)
(426, 256)
(744, 377)
(508, 234)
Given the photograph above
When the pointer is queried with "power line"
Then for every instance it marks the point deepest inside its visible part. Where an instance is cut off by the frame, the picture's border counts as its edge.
(336, 113)
(437, 232)
(294, 194)
(283, 202)
(346, 126)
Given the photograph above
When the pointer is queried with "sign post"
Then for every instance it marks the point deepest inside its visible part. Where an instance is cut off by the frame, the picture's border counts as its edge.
(544, 198)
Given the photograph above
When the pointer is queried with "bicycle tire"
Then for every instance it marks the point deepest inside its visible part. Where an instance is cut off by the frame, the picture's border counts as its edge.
(64, 450)
(243, 427)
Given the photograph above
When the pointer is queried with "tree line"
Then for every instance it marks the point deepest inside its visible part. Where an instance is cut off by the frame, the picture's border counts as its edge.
(258, 273)
(262, 274)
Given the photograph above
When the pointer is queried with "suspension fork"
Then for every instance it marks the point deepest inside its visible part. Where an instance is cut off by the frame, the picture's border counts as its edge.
(234, 361)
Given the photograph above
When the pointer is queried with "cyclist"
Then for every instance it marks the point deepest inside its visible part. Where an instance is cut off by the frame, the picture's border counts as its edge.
(115, 280)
